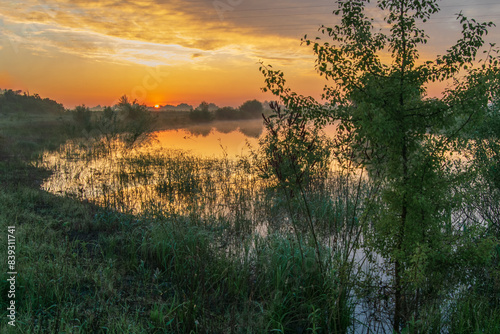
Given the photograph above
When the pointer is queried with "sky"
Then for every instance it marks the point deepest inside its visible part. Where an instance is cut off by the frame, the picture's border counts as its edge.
(172, 51)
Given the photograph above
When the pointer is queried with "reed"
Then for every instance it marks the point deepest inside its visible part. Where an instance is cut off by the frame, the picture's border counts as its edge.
(131, 240)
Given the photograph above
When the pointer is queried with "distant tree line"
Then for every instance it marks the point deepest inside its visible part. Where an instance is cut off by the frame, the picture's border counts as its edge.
(18, 102)
(251, 109)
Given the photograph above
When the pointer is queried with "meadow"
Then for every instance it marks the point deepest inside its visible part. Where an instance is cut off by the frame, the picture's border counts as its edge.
(129, 240)
(190, 259)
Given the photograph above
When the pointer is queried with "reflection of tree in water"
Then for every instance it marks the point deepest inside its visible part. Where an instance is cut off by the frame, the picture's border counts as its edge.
(227, 126)
(251, 128)
(199, 130)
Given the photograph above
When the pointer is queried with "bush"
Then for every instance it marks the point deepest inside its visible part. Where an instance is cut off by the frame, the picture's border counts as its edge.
(201, 114)
(15, 102)
(251, 109)
(82, 117)
(227, 113)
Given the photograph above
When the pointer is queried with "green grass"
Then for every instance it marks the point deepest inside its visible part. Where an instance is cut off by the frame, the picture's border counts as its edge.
(86, 268)
(210, 249)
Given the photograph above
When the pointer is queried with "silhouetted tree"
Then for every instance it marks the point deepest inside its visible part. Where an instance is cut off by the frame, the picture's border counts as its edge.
(16, 102)
(202, 113)
(251, 109)
(227, 113)
(82, 116)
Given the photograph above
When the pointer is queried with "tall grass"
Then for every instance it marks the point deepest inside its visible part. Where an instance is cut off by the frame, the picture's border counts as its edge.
(131, 240)
(215, 235)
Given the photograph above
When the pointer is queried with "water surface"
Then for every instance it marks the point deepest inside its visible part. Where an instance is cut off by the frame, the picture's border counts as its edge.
(196, 168)
(234, 138)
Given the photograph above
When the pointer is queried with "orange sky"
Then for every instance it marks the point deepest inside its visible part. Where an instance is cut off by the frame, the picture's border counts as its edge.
(173, 51)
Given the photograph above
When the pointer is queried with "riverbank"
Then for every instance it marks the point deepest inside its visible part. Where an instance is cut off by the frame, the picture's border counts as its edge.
(84, 268)
(213, 249)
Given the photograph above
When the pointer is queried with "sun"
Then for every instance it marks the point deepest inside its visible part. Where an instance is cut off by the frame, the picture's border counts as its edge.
(157, 106)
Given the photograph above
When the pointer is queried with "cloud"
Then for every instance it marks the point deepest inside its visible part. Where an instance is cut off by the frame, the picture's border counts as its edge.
(194, 33)
(120, 29)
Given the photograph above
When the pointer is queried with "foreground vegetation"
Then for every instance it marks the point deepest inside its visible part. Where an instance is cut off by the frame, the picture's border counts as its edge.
(88, 268)
(213, 249)
(434, 243)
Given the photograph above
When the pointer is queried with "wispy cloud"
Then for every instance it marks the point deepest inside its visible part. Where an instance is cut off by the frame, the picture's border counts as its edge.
(152, 32)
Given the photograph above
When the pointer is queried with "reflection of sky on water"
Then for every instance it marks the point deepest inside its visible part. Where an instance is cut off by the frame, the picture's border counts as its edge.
(214, 139)
(179, 167)
(78, 171)
(234, 138)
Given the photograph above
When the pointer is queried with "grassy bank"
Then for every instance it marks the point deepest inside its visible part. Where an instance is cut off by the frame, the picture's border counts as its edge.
(211, 248)
(84, 268)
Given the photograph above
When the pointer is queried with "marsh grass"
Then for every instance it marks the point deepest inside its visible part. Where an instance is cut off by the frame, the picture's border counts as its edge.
(204, 251)
(135, 181)
(135, 241)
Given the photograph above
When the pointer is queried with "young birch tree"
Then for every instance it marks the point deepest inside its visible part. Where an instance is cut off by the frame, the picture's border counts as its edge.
(389, 126)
